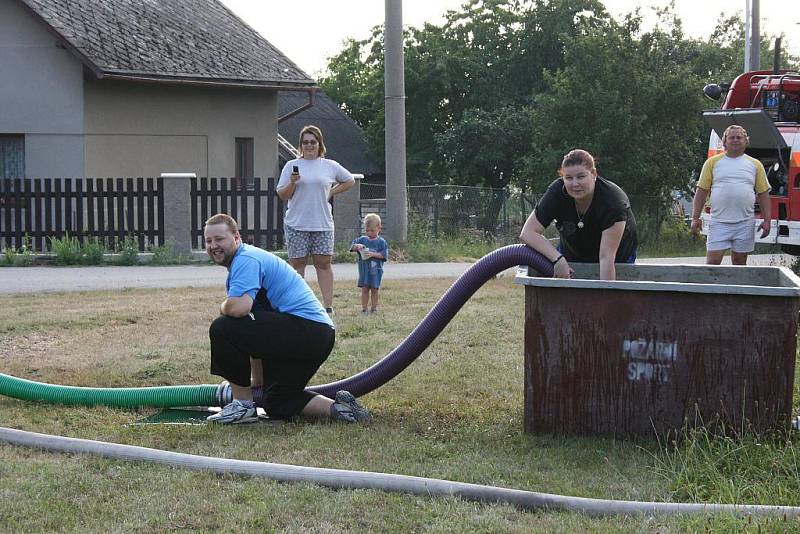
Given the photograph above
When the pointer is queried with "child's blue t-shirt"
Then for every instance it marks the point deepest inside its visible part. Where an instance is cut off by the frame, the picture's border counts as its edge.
(253, 268)
(378, 244)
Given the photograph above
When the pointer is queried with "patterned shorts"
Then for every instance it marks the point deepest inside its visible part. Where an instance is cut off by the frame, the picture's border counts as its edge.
(300, 244)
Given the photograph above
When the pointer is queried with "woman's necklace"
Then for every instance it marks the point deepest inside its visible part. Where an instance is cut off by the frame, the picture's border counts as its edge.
(580, 215)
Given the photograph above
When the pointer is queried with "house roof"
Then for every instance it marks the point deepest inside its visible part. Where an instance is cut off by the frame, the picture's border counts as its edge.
(198, 41)
(344, 139)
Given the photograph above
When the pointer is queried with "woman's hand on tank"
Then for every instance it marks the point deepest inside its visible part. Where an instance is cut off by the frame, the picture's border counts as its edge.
(561, 269)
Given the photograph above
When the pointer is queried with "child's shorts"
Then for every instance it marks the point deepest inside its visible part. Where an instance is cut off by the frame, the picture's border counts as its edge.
(370, 273)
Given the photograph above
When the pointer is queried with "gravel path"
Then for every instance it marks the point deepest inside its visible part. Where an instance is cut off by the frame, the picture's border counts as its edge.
(16, 280)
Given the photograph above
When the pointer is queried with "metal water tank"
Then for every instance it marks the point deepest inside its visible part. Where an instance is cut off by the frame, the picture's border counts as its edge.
(661, 346)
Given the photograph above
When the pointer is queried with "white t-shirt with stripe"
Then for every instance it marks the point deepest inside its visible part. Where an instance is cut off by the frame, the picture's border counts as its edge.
(308, 210)
(734, 183)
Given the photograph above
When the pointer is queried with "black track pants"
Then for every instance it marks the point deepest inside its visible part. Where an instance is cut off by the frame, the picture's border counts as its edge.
(291, 349)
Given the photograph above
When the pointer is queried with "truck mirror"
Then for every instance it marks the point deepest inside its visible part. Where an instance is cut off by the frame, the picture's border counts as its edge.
(712, 91)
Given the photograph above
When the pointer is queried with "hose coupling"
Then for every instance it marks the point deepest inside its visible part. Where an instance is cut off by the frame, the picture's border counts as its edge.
(224, 395)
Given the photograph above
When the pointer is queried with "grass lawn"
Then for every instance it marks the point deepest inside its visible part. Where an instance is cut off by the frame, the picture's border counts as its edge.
(456, 413)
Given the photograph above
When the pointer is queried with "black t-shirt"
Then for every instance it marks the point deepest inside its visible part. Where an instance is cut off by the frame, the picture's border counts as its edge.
(609, 205)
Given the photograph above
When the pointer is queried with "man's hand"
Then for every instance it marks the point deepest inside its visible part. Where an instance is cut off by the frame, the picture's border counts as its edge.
(766, 226)
(698, 205)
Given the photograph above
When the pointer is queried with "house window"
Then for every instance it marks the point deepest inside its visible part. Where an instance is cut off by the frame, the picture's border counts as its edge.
(12, 156)
(244, 160)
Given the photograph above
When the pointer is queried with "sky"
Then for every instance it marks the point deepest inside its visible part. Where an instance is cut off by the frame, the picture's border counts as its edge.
(310, 31)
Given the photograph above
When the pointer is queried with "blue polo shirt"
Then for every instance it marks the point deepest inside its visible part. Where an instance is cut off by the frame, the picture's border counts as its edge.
(253, 268)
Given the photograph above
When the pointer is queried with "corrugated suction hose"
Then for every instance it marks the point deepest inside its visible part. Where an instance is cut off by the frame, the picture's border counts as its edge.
(434, 322)
(162, 396)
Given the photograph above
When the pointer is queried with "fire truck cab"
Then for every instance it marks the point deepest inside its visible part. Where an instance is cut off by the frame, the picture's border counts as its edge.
(767, 105)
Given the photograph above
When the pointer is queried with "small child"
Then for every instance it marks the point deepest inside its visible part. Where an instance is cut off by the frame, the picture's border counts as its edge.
(372, 252)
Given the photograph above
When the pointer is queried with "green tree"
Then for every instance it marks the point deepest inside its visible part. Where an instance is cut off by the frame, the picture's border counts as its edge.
(485, 58)
(484, 147)
(355, 82)
(633, 98)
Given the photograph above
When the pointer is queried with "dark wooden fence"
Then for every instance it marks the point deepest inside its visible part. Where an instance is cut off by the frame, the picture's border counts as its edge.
(258, 211)
(107, 209)
(111, 209)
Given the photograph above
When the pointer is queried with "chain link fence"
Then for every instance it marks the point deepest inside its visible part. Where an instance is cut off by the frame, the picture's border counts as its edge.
(450, 211)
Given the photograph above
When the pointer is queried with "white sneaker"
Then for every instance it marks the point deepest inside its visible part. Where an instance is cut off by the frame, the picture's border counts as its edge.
(236, 412)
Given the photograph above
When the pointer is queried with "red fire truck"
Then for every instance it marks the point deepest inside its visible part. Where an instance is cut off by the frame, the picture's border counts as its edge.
(767, 105)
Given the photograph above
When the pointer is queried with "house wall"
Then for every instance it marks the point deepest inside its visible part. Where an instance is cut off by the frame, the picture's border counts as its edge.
(41, 94)
(137, 129)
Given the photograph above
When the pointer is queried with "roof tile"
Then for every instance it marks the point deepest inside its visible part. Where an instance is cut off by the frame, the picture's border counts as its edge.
(196, 39)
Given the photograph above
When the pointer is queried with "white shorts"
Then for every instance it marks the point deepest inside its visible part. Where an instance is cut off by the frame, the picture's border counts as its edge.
(738, 236)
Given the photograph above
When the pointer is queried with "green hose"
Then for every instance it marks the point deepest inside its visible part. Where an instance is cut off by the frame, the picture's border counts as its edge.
(161, 397)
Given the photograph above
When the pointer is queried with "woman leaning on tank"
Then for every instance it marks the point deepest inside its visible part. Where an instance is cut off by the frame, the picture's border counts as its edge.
(592, 215)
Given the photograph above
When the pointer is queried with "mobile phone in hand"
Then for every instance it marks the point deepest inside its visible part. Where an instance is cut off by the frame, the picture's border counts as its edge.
(295, 169)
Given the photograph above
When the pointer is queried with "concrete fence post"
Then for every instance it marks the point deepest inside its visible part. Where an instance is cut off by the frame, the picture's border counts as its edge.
(177, 210)
(347, 213)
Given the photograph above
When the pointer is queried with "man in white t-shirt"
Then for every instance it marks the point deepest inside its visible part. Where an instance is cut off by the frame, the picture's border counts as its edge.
(735, 181)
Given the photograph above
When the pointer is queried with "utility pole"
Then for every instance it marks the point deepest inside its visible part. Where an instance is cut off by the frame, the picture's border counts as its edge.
(395, 109)
(752, 35)
(755, 36)
(747, 36)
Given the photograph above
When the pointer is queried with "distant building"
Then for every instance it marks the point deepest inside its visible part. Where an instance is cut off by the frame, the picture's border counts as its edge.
(127, 88)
